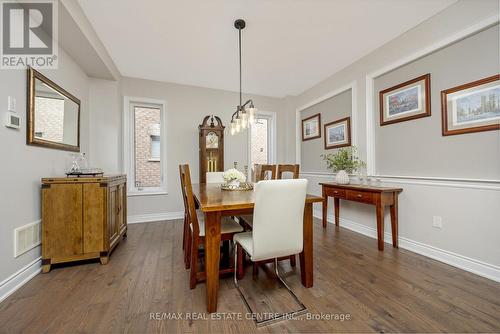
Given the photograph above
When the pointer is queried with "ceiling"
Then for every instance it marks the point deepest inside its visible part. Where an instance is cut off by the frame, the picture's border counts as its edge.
(288, 45)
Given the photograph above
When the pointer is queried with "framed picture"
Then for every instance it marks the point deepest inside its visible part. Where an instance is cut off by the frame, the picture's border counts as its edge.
(406, 101)
(338, 133)
(472, 107)
(311, 127)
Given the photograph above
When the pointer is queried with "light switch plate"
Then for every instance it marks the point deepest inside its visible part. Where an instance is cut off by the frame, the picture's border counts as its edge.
(11, 105)
(437, 222)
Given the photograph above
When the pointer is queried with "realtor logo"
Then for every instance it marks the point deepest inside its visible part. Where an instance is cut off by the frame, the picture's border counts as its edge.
(29, 34)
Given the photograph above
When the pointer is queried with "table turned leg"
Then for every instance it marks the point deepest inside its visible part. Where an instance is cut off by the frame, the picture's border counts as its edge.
(325, 208)
(394, 222)
(336, 202)
(212, 258)
(306, 257)
(380, 225)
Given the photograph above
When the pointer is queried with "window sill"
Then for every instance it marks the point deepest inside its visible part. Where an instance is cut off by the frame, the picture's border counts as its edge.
(154, 160)
(147, 193)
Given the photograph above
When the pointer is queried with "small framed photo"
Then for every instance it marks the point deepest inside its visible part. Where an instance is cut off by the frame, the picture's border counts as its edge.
(406, 101)
(311, 127)
(338, 133)
(472, 107)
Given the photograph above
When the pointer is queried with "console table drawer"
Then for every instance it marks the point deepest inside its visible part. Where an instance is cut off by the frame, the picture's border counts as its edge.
(333, 192)
(359, 196)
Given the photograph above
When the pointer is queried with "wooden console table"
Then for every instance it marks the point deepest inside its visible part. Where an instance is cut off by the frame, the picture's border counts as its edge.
(378, 196)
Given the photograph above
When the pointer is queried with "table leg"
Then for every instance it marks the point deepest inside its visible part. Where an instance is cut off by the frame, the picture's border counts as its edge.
(336, 202)
(212, 258)
(306, 257)
(380, 225)
(325, 208)
(394, 221)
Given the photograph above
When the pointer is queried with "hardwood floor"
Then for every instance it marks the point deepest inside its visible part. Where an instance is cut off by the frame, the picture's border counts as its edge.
(393, 291)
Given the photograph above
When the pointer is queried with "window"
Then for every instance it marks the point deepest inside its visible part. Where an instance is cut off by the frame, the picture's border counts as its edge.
(262, 140)
(144, 146)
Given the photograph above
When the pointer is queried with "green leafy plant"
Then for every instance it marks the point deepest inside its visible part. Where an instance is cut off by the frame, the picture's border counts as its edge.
(344, 159)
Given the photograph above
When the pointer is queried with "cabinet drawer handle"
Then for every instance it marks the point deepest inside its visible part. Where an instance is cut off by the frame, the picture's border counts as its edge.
(360, 196)
(335, 192)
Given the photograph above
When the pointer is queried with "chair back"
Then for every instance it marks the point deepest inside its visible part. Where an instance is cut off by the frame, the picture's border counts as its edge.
(294, 169)
(263, 171)
(187, 194)
(278, 218)
(215, 177)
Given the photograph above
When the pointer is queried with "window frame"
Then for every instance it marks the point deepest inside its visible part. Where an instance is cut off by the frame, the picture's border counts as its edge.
(129, 145)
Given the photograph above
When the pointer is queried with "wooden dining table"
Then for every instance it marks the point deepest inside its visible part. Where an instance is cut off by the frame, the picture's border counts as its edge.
(215, 203)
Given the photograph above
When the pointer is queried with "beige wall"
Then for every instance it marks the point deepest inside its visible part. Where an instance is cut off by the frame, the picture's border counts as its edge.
(470, 211)
(418, 144)
(23, 166)
(332, 109)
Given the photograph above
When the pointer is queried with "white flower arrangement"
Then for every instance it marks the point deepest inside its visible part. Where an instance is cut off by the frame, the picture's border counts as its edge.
(233, 175)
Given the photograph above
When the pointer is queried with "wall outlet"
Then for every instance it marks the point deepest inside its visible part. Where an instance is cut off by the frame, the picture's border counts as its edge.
(437, 222)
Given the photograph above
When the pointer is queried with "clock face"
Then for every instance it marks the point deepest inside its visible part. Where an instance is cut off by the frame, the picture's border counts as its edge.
(212, 140)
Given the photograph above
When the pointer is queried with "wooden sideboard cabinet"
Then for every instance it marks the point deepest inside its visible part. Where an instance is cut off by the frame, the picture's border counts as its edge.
(82, 218)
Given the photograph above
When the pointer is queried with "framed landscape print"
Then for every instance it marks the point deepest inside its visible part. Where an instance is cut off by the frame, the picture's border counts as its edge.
(472, 107)
(311, 127)
(406, 101)
(338, 133)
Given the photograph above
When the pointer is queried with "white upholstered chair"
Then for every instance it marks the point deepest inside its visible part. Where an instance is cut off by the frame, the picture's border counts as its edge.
(277, 229)
(215, 177)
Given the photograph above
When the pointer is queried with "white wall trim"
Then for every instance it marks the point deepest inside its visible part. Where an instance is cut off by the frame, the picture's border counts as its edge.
(419, 180)
(155, 217)
(12, 283)
(354, 112)
(370, 78)
(474, 266)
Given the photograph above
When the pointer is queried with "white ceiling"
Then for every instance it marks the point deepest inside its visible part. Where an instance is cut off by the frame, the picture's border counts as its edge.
(288, 45)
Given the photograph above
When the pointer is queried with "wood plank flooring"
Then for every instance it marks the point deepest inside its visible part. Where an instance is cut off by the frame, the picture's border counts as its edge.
(393, 291)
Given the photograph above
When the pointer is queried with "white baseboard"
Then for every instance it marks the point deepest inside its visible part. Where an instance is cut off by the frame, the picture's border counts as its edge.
(154, 217)
(18, 279)
(477, 267)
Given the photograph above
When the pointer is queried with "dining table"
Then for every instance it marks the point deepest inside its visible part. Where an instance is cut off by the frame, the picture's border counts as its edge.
(215, 202)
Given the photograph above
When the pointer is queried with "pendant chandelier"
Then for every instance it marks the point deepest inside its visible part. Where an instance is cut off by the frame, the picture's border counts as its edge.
(244, 116)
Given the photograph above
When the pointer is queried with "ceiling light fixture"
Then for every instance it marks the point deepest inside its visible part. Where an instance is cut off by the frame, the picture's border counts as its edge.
(244, 116)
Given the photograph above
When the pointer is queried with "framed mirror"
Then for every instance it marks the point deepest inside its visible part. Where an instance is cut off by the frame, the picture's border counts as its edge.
(53, 114)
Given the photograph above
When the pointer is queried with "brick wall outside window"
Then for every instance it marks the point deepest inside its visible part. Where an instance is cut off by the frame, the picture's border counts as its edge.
(147, 170)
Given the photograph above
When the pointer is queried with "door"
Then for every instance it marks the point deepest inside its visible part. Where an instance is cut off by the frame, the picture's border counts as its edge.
(62, 221)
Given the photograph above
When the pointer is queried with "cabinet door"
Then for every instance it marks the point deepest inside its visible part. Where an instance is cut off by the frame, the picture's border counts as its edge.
(121, 201)
(62, 220)
(94, 215)
(112, 214)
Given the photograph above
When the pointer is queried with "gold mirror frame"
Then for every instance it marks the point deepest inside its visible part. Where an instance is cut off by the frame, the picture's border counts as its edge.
(30, 133)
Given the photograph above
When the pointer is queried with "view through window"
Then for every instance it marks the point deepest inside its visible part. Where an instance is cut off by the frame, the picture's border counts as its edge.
(260, 142)
(147, 146)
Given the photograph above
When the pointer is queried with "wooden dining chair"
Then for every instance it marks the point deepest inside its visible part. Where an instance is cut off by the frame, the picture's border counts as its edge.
(196, 230)
(263, 172)
(294, 169)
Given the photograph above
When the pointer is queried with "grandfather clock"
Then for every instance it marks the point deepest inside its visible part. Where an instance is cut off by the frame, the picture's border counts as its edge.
(211, 146)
